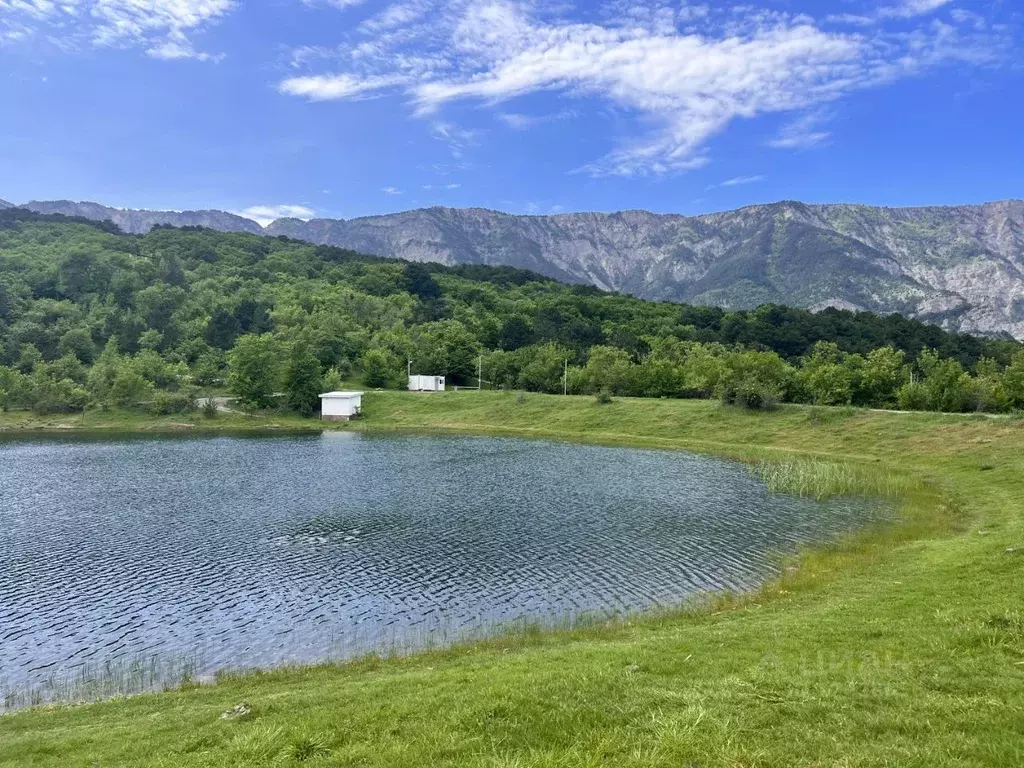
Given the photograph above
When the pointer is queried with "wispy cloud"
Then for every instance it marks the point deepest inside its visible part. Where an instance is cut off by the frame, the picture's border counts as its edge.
(903, 9)
(160, 27)
(265, 214)
(907, 9)
(684, 78)
(457, 139)
(341, 4)
(805, 132)
(521, 122)
(391, 190)
(333, 87)
(738, 181)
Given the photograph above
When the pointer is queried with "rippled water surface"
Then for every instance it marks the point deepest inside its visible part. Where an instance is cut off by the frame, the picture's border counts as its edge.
(127, 562)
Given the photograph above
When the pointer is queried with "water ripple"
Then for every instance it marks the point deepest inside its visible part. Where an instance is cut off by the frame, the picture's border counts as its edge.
(135, 555)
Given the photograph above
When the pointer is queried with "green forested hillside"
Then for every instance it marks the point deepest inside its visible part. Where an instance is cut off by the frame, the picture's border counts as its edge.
(92, 317)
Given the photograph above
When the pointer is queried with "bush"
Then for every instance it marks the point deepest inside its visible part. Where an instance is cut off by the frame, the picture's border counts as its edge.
(63, 396)
(209, 408)
(755, 380)
(603, 397)
(381, 369)
(165, 403)
(754, 396)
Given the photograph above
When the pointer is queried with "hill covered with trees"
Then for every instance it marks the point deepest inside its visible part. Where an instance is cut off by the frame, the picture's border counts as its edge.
(93, 317)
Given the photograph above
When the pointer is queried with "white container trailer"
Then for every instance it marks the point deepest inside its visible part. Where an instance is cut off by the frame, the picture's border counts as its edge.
(426, 383)
(340, 406)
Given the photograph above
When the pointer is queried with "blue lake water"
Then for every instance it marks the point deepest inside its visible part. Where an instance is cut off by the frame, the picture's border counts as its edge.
(127, 562)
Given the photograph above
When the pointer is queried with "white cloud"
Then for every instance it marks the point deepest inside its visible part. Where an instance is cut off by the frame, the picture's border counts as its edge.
(907, 9)
(805, 132)
(332, 87)
(391, 190)
(160, 27)
(679, 80)
(340, 4)
(457, 139)
(521, 122)
(738, 181)
(265, 214)
(904, 9)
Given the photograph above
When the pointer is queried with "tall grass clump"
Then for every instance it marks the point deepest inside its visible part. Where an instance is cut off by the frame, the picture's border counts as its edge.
(823, 479)
(209, 408)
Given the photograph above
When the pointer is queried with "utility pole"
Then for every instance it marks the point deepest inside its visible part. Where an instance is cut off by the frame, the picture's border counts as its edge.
(565, 379)
(480, 373)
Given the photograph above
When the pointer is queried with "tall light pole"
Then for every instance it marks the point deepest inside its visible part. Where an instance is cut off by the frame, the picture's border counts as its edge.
(565, 378)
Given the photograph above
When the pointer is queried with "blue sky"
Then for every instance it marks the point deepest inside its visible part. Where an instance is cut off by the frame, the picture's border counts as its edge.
(344, 108)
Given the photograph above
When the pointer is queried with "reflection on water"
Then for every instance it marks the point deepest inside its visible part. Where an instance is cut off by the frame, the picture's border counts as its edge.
(145, 559)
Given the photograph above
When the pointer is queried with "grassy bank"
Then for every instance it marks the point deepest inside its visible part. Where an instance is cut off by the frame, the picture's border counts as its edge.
(13, 423)
(903, 647)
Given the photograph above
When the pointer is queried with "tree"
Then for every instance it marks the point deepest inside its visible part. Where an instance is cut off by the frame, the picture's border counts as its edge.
(1013, 380)
(989, 388)
(445, 348)
(703, 369)
(417, 280)
(74, 274)
(381, 368)
(254, 370)
(223, 329)
(826, 377)
(78, 342)
(129, 387)
(515, 333)
(881, 377)
(302, 379)
(542, 367)
(28, 356)
(756, 380)
(151, 340)
(103, 372)
(948, 387)
(607, 368)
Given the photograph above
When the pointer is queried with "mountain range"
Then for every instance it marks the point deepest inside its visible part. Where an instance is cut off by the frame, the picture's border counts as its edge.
(961, 267)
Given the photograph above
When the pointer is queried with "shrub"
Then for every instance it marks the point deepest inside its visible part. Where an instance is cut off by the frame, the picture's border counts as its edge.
(164, 403)
(63, 396)
(209, 408)
(755, 380)
(603, 397)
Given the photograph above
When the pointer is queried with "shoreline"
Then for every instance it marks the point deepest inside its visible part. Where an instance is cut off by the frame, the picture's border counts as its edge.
(944, 514)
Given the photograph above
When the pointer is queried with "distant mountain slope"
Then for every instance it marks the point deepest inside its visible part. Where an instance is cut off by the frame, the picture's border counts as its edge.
(139, 222)
(961, 267)
(5, 204)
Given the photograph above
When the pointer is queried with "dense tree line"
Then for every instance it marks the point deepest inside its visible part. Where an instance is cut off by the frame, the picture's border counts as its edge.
(92, 317)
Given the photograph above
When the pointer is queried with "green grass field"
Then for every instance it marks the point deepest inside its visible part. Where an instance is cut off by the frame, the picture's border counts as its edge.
(899, 647)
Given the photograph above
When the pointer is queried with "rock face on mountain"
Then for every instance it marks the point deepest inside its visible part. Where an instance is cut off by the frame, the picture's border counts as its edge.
(960, 267)
(5, 204)
(139, 222)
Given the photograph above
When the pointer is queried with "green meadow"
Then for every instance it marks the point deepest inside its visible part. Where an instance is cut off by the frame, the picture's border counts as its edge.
(901, 645)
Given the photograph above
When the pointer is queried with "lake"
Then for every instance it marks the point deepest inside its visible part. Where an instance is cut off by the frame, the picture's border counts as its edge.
(128, 563)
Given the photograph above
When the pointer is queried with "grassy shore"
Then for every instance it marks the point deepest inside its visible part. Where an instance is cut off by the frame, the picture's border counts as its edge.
(902, 646)
(14, 423)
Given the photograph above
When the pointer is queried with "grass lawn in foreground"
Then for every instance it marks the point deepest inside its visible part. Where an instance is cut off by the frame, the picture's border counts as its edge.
(902, 647)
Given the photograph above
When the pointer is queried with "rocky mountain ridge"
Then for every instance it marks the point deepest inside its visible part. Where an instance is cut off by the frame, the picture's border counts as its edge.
(961, 267)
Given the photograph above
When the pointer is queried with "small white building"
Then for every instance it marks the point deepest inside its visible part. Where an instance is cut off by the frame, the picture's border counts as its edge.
(340, 406)
(426, 383)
